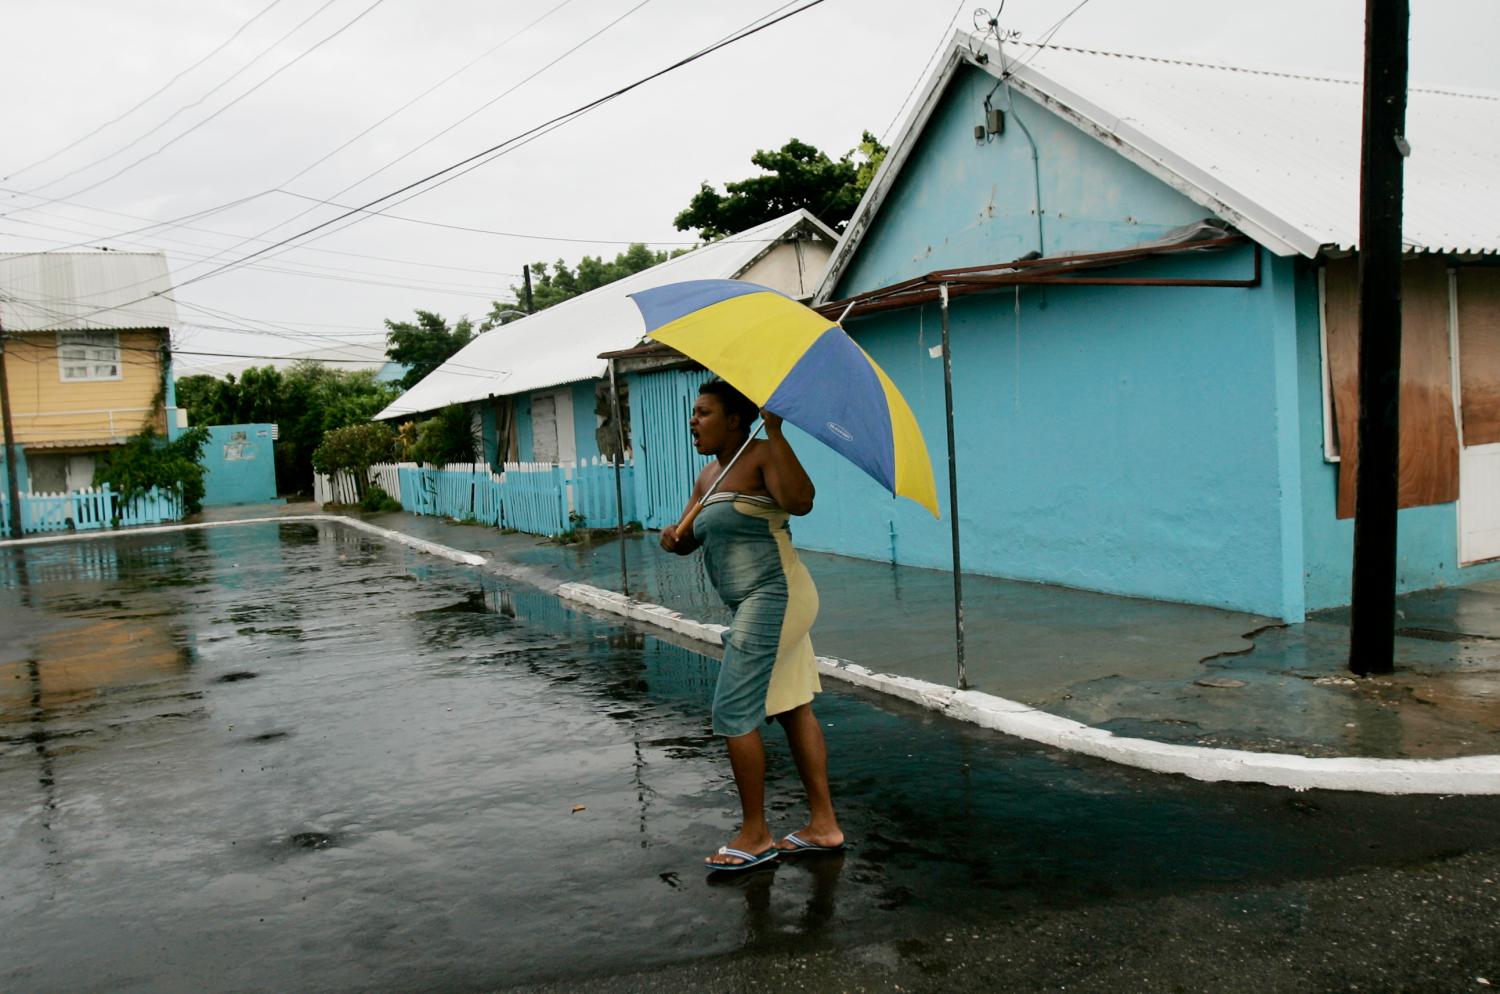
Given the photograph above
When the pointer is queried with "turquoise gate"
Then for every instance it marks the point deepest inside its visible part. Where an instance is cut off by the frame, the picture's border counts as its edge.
(665, 462)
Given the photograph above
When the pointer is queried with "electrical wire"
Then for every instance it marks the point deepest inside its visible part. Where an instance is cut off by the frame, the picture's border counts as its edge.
(146, 99)
(440, 83)
(926, 68)
(331, 273)
(281, 69)
(170, 117)
(432, 138)
(487, 154)
(301, 338)
(525, 138)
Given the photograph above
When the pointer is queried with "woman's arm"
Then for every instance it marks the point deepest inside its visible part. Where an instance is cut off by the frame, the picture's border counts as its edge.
(786, 480)
(684, 544)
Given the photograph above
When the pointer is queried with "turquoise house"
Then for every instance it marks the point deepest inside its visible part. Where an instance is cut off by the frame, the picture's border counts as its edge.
(1174, 420)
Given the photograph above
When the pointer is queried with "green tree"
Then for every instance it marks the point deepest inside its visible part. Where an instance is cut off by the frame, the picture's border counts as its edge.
(797, 175)
(147, 460)
(354, 449)
(424, 344)
(554, 283)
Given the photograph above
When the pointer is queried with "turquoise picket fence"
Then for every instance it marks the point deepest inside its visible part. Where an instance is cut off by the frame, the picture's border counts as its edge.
(666, 462)
(537, 498)
(91, 509)
(594, 499)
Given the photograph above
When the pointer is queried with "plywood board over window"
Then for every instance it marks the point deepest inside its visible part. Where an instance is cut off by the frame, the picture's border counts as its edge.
(1429, 434)
(1479, 354)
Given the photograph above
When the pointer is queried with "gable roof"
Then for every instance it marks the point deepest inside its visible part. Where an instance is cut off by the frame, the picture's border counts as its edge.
(562, 343)
(71, 291)
(1275, 154)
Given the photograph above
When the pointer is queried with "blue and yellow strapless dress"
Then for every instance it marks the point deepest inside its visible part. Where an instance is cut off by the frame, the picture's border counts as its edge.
(768, 664)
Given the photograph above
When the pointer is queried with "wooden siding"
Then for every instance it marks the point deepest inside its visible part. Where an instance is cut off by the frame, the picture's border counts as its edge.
(1479, 354)
(52, 412)
(1429, 434)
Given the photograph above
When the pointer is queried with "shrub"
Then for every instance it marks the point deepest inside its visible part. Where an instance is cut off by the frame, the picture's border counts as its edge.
(355, 449)
(147, 460)
(376, 499)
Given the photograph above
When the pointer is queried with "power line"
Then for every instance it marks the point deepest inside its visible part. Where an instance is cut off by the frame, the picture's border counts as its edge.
(183, 134)
(421, 145)
(169, 118)
(467, 165)
(926, 68)
(488, 154)
(440, 83)
(483, 231)
(333, 273)
(148, 98)
(303, 338)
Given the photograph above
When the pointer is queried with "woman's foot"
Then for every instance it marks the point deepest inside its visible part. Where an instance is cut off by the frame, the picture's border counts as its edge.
(755, 845)
(813, 838)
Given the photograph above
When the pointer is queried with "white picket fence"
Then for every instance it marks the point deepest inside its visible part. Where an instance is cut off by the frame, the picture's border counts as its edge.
(538, 498)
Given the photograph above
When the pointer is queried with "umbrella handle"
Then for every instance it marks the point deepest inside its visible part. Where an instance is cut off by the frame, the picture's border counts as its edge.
(685, 526)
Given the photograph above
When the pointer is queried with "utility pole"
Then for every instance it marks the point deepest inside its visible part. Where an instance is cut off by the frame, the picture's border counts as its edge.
(526, 275)
(1384, 147)
(12, 486)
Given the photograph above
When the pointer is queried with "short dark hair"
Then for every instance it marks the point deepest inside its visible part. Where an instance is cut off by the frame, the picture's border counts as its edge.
(732, 401)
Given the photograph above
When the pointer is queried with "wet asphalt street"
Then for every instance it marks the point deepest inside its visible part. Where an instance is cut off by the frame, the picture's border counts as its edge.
(287, 757)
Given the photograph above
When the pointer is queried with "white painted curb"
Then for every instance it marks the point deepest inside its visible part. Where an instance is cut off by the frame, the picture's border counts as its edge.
(1465, 775)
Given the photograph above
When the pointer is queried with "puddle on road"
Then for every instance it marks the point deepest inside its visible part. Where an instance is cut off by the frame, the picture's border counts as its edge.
(390, 803)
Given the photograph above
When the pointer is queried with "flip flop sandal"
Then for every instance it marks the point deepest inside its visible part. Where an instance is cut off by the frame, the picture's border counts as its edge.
(751, 860)
(801, 845)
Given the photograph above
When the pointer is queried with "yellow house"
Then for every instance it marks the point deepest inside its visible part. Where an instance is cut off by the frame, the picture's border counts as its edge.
(87, 356)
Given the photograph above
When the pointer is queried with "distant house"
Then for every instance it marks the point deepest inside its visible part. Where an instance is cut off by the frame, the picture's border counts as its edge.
(1173, 419)
(537, 385)
(87, 356)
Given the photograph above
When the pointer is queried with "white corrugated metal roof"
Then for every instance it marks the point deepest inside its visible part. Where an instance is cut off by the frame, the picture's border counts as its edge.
(1276, 154)
(562, 343)
(47, 291)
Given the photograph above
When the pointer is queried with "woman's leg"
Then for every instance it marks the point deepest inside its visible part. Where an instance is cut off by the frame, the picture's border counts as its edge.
(747, 757)
(810, 752)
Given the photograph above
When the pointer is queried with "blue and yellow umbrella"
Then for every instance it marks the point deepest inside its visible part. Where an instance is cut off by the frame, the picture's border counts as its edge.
(792, 361)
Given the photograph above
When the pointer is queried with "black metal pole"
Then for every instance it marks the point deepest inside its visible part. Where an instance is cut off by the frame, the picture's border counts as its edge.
(526, 275)
(1373, 595)
(614, 403)
(12, 484)
(958, 573)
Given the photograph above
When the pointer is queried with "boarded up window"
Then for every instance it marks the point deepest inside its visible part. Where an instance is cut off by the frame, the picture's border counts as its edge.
(1479, 354)
(1429, 434)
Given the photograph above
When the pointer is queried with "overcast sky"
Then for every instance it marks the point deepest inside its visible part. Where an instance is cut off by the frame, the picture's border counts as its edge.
(615, 175)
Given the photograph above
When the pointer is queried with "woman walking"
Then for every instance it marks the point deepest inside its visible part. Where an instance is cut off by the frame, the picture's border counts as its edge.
(769, 670)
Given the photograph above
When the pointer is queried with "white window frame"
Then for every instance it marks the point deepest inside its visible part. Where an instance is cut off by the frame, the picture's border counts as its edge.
(95, 353)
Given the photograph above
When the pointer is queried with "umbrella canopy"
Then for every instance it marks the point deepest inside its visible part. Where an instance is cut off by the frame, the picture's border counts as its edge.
(792, 361)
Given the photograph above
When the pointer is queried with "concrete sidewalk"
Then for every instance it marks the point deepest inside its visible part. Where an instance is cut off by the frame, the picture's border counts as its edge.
(1165, 672)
